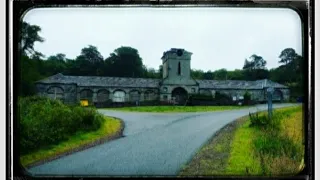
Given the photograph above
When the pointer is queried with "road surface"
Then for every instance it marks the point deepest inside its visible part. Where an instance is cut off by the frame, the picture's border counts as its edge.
(154, 144)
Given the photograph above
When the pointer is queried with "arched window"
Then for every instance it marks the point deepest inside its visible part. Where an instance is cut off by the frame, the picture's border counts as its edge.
(119, 96)
(134, 95)
(86, 94)
(102, 95)
(179, 69)
(149, 95)
(55, 92)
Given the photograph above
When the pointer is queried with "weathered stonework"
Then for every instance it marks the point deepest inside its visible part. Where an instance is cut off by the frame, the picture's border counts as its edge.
(175, 84)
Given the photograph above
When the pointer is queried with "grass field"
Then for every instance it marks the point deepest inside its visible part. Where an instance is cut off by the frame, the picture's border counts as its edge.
(242, 149)
(177, 108)
(110, 127)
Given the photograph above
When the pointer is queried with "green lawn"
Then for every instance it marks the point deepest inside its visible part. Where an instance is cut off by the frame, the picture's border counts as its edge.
(241, 149)
(110, 127)
(177, 108)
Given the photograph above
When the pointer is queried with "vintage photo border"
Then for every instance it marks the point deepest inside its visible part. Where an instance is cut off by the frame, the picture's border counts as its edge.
(16, 10)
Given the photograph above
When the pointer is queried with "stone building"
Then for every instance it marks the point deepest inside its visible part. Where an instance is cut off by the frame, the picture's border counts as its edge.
(176, 84)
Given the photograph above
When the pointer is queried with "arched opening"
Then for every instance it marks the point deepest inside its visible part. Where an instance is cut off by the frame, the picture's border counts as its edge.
(134, 95)
(180, 95)
(55, 92)
(149, 95)
(102, 95)
(277, 95)
(119, 96)
(179, 69)
(86, 94)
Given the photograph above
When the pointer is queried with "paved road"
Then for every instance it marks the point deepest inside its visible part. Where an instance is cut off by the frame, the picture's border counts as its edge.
(154, 144)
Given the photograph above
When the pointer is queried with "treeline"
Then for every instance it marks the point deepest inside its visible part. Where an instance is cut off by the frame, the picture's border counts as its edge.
(126, 62)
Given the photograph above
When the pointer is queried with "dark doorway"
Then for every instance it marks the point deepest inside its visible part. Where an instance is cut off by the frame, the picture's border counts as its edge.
(180, 95)
(277, 95)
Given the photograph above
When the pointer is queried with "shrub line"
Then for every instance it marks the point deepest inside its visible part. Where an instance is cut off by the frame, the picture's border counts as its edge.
(88, 145)
(192, 167)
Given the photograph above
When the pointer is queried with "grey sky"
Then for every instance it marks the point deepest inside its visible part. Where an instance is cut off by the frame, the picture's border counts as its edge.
(217, 37)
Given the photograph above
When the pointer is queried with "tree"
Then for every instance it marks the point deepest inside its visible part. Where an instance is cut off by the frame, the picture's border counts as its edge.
(151, 73)
(221, 74)
(257, 62)
(29, 74)
(287, 55)
(30, 67)
(255, 69)
(236, 74)
(57, 57)
(91, 54)
(37, 55)
(197, 74)
(56, 64)
(208, 75)
(125, 62)
(88, 63)
(28, 36)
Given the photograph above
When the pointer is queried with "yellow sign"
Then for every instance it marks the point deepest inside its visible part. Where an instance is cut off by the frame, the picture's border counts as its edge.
(84, 103)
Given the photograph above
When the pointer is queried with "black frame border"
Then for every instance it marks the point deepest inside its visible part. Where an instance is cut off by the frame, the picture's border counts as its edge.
(305, 10)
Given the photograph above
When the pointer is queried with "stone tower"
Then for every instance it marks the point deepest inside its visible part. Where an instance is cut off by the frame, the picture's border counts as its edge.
(176, 66)
(177, 81)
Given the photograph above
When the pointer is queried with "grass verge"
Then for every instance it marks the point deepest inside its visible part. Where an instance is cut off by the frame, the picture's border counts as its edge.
(243, 149)
(212, 159)
(110, 129)
(177, 108)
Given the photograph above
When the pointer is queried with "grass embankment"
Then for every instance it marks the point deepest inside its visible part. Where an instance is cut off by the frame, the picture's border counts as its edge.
(50, 129)
(177, 108)
(244, 148)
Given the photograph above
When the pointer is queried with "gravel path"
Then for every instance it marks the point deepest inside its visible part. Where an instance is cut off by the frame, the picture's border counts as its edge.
(154, 144)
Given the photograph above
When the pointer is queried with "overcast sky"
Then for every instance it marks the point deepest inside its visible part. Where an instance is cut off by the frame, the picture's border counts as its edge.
(217, 37)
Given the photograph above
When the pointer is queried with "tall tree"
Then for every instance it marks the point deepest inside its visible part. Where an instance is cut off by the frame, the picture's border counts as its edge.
(91, 54)
(257, 62)
(287, 55)
(255, 69)
(30, 63)
(125, 62)
(28, 36)
(56, 64)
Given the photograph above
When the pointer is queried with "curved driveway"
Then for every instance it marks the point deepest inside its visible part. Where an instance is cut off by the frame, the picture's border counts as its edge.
(154, 144)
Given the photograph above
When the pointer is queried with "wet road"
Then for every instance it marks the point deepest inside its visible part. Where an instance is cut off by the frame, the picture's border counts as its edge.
(154, 144)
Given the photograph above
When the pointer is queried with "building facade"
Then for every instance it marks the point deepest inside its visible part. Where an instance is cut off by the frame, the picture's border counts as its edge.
(176, 85)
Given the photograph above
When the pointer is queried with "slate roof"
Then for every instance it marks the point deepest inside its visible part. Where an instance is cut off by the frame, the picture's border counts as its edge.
(154, 83)
(102, 81)
(238, 84)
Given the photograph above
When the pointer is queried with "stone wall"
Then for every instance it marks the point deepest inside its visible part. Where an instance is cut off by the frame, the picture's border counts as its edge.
(69, 95)
(73, 93)
(256, 94)
(166, 90)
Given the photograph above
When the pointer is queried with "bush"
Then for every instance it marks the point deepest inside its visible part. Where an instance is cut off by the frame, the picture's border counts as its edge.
(44, 122)
(256, 120)
(273, 144)
(264, 121)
